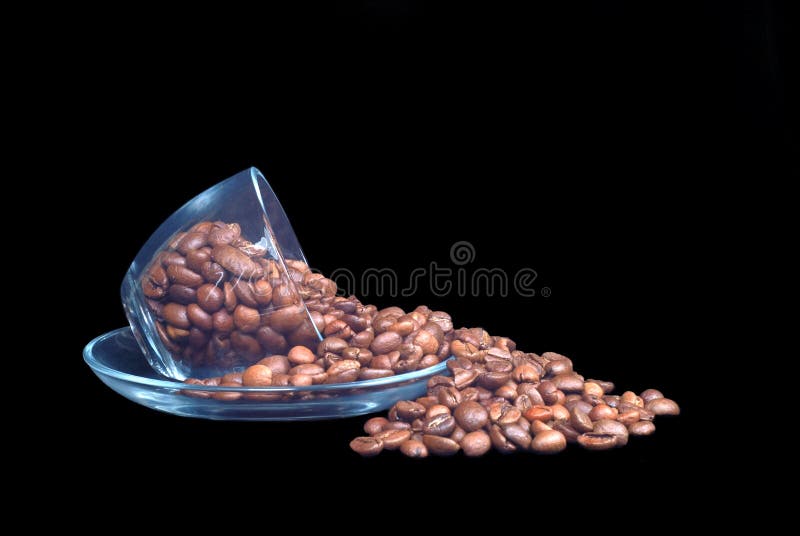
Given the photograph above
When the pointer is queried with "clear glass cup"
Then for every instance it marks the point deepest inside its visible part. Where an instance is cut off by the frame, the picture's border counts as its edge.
(217, 286)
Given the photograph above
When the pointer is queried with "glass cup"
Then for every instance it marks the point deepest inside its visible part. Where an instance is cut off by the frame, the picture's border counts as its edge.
(222, 283)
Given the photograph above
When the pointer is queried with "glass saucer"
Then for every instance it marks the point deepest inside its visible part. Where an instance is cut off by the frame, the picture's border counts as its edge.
(117, 360)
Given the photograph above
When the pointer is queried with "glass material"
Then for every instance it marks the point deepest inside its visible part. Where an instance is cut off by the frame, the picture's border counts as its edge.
(118, 361)
(246, 202)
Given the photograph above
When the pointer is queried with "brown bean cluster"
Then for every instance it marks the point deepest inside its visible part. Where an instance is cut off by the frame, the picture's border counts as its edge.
(501, 398)
(220, 301)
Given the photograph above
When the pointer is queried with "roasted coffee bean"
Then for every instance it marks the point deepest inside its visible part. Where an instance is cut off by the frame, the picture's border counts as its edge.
(440, 425)
(641, 428)
(300, 355)
(507, 391)
(580, 421)
(198, 317)
(458, 434)
(568, 383)
(182, 275)
(196, 258)
(464, 378)
(245, 294)
(182, 294)
(450, 397)
(278, 364)
(517, 435)
(246, 318)
(287, 318)
(597, 441)
(603, 411)
(176, 315)
(567, 430)
(628, 417)
(212, 272)
(539, 413)
(471, 416)
(593, 389)
(441, 446)
(366, 446)
(651, 394)
(374, 374)
(210, 298)
(375, 425)
(408, 411)
(476, 443)
(493, 380)
(615, 428)
(257, 376)
(245, 344)
(392, 439)
(385, 343)
(663, 406)
(235, 261)
(548, 442)
(500, 442)
(414, 449)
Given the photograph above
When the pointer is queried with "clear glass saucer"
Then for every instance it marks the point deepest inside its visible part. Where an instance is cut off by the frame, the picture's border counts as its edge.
(117, 360)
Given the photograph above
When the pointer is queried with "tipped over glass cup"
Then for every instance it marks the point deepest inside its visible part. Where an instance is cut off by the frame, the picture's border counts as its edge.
(222, 283)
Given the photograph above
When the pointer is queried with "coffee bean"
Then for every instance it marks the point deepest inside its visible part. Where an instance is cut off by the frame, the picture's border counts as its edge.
(441, 446)
(615, 428)
(366, 446)
(191, 241)
(569, 383)
(651, 394)
(392, 439)
(500, 442)
(476, 443)
(246, 318)
(597, 441)
(182, 275)
(440, 425)
(385, 343)
(245, 294)
(539, 413)
(471, 416)
(300, 355)
(450, 397)
(641, 428)
(235, 261)
(257, 376)
(374, 374)
(549, 442)
(278, 364)
(603, 411)
(409, 411)
(210, 297)
(176, 315)
(198, 317)
(517, 435)
(663, 406)
(414, 448)
(580, 421)
(375, 425)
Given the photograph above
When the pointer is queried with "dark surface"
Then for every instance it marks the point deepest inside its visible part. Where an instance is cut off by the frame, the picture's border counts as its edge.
(597, 146)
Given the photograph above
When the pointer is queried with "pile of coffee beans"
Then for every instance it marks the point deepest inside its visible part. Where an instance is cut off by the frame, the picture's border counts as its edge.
(503, 399)
(222, 303)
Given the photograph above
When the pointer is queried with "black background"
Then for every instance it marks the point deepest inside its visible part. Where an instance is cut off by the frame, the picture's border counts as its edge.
(600, 145)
